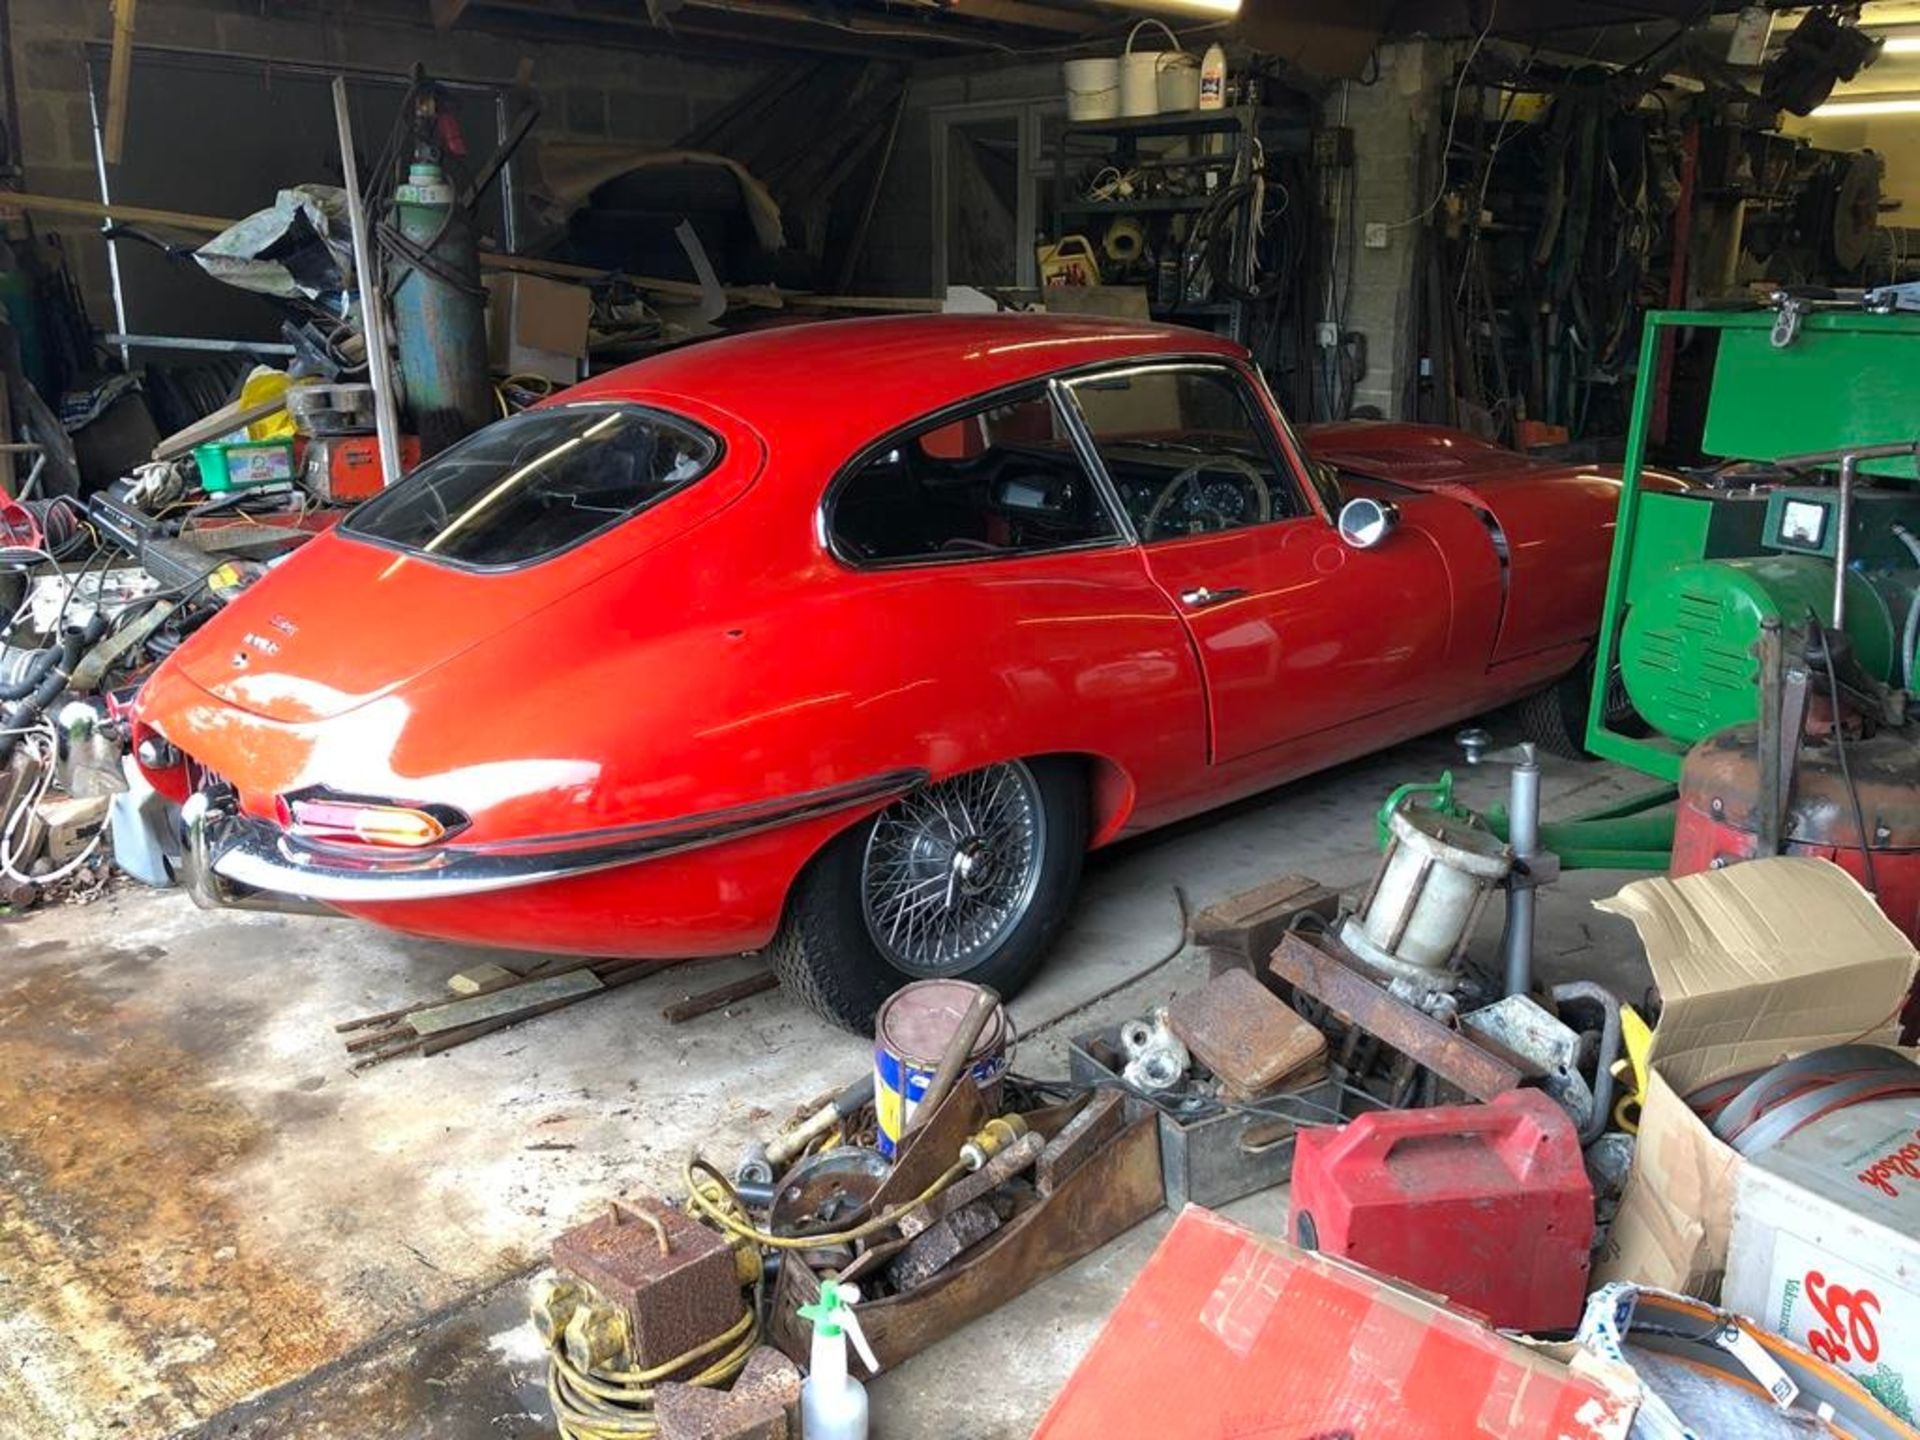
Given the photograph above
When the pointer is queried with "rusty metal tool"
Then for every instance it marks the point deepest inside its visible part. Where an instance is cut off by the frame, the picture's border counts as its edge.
(763, 1162)
(1367, 1007)
(954, 1059)
(718, 998)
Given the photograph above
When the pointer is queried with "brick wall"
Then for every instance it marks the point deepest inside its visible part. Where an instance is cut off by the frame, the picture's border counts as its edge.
(1395, 143)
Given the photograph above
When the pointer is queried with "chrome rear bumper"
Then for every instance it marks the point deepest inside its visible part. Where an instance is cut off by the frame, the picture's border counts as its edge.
(235, 861)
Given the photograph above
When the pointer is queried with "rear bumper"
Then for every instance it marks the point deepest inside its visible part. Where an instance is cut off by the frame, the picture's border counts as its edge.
(235, 861)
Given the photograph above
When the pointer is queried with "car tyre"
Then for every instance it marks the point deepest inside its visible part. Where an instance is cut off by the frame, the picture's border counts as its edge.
(1555, 718)
(826, 952)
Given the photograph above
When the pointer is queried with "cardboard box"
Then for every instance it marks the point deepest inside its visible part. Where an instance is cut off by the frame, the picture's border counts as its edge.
(1754, 963)
(1826, 1245)
(1230, 1333)
(537, 326)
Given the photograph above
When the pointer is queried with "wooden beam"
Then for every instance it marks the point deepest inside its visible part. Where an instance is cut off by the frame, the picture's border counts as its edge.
(1029, 16)
(119, 78)
(769, 297)
(94, 210)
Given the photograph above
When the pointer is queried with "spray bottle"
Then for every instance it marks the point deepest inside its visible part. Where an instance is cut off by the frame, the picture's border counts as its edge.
(833, 1405)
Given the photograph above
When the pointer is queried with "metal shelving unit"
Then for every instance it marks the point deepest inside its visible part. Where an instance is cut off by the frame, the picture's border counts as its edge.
(1275, 128)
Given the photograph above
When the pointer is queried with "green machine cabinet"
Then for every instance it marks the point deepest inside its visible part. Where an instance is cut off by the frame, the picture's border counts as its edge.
(1678, 628)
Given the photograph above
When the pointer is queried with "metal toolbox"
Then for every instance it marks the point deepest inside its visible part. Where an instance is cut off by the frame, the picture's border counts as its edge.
(1209, 1154)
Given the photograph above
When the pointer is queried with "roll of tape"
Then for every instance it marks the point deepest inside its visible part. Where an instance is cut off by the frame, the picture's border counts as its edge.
(1124, 241)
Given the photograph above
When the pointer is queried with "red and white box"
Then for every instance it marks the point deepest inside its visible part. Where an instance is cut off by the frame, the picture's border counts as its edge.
(1826, 1245)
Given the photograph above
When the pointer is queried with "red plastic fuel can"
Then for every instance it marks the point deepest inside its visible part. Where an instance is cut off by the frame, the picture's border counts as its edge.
(1488, 1205)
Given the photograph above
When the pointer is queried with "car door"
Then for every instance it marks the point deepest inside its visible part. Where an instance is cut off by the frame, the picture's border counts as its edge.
(1298, 634)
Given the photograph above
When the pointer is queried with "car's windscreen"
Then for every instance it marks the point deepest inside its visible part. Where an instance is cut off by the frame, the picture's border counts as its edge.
(535, 484)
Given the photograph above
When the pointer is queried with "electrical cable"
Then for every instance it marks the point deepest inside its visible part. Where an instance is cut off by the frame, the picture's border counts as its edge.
(594, 1404)
(1453, 116)
(701, 1198)
(47, 759)
(1179, 947)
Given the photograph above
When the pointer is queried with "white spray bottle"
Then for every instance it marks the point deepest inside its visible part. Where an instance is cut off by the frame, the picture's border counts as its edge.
(833, 1405)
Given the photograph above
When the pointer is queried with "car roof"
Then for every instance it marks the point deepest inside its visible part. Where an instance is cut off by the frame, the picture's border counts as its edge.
(861, 378)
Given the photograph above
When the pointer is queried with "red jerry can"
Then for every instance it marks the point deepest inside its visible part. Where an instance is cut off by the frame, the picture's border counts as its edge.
(1488, 1205)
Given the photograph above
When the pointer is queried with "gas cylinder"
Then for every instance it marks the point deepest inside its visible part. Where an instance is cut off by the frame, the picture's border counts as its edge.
(439, 311)
(1719, 814)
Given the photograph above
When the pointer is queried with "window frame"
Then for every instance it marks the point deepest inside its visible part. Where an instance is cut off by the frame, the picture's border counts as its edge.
(674, 417)
(1047, 386)
(1254, 398)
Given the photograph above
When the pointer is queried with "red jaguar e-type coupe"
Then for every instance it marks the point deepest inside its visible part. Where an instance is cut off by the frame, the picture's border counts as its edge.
(847, 641)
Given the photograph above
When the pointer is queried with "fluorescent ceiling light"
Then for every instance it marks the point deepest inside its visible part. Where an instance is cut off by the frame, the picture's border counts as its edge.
(1183, 9)
(1878, 105)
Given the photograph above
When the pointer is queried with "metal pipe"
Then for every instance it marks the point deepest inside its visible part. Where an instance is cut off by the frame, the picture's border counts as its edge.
(386, 413)
(1910, 631)
(1609, 1005)
(1843, 521)
(1772, 686)
(1524, 836)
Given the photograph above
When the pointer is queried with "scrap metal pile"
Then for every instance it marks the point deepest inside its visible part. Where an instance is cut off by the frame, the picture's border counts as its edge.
(101, 590)
(922, 1196)
(1440, 1142)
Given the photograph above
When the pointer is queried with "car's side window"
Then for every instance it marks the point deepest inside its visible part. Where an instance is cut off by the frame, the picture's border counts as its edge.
(1000, 480)
(1188, 449)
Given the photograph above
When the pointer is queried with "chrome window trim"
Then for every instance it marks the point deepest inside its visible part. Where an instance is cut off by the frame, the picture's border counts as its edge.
(1123, 537)
(1279, 454)
(686, 422)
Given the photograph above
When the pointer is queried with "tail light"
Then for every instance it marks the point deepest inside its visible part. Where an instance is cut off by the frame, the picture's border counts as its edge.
(336, 820)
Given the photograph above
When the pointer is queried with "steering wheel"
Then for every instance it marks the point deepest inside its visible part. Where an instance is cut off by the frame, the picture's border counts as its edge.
(1189, 478)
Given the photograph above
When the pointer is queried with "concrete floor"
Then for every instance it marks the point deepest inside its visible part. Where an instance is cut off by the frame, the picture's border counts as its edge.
(209, 1227)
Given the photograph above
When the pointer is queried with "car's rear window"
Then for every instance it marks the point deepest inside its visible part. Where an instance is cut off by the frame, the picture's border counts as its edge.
(535, 484)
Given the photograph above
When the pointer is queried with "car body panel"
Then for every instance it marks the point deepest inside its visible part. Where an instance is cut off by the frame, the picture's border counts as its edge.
(712, 656)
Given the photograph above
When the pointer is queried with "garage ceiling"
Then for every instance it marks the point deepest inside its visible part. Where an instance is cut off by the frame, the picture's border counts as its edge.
(935, 27)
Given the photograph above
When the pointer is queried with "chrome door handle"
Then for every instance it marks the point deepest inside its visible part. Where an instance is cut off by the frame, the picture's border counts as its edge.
(1200, 597)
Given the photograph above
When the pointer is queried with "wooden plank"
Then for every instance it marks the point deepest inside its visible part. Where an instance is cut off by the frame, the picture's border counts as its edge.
(498, 1004)
(903, 304)
(478, 979)
(119, 78)
(94, 210)
(850, 261)
(766, 296)
(228, 417)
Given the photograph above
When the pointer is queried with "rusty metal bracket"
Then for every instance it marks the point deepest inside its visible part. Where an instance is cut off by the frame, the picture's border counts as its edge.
(1367, 1006)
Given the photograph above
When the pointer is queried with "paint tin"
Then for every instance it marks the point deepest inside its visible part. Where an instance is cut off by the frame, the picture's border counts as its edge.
(910, 1031)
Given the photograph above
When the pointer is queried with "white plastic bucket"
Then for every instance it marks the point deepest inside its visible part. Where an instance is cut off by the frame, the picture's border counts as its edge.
(1140, 83)
(1179, 82)
(1093, 88)
(1140, 72)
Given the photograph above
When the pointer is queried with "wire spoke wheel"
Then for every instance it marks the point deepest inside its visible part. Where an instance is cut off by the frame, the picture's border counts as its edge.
(950, 870)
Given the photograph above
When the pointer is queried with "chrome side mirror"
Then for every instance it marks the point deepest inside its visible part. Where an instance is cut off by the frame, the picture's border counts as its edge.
(1365, 522)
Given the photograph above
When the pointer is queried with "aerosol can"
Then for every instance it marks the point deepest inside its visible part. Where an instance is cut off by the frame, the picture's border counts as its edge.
(833, 1405)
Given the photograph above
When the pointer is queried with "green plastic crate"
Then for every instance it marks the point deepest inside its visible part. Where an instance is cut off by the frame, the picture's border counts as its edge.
(236, 465)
